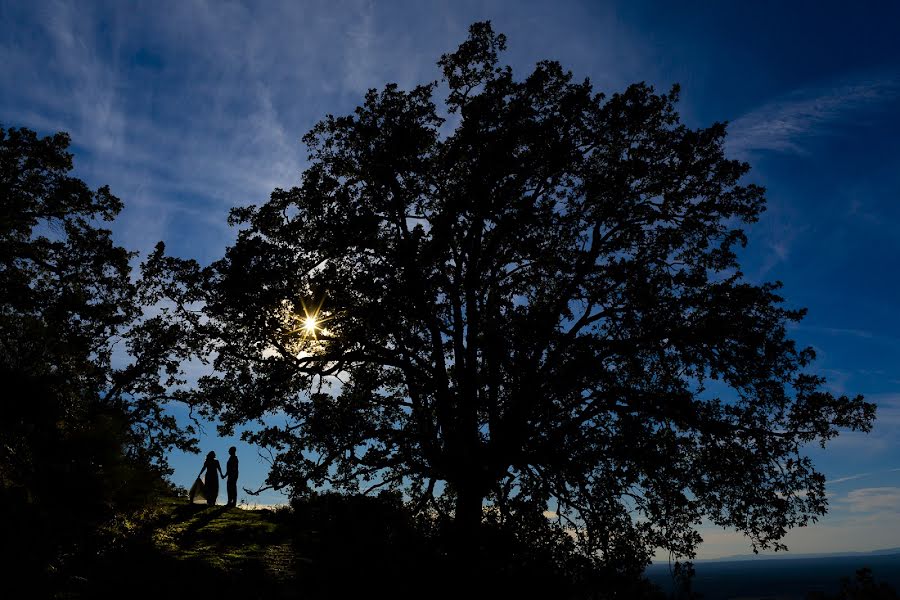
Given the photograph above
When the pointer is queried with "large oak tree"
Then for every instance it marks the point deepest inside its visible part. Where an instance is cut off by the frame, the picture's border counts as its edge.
(528, 300)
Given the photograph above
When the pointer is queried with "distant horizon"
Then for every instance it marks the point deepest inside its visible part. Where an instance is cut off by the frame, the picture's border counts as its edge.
(796, 555)
(786, 578)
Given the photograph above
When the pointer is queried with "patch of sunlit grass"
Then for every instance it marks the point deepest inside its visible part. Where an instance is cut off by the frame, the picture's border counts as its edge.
(223, 538)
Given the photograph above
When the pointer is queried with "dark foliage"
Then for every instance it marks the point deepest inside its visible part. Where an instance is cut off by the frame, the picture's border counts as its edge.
(337, 546)
(862, 587)
(82, 436)
(388, 548)
(530, 302)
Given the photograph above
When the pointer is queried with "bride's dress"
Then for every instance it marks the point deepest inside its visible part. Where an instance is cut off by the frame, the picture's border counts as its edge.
(198, 492)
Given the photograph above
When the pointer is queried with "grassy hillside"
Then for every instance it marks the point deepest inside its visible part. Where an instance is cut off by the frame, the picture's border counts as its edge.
(331, 545)
(327, 546)
(225, 539)
(179, 550)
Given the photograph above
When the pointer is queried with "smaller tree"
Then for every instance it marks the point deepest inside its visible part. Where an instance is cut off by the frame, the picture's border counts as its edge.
(87, 369)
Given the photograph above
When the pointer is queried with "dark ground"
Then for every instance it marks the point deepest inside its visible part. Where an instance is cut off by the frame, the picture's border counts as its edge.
(358, 548)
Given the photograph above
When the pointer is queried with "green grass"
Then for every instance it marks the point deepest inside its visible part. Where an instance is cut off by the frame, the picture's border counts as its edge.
(226, 539)
(179, 550)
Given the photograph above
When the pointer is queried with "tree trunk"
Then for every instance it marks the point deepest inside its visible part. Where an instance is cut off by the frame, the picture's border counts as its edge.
(467, 522)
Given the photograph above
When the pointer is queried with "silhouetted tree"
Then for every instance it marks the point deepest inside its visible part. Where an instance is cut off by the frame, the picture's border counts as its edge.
(683, 574)
(529, 302)
(863, 587)
(81, 434)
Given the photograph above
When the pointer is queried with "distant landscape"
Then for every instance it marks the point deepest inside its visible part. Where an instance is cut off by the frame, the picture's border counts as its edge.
(774, 578)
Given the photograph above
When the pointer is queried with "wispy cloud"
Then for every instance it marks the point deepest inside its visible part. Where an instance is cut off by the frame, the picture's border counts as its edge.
(787, 124)
(192, 110)
(884, 439)
(853, 532)
(848, 478)
(858, 476)
(780, 229)
(860, 520)
(872, 500)
(889, 412)
(859, 333)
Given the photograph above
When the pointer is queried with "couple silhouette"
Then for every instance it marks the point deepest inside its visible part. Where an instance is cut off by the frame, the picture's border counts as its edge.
(208, 489)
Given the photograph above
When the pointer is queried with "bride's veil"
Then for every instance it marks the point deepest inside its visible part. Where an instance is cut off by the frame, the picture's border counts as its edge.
(198, 492)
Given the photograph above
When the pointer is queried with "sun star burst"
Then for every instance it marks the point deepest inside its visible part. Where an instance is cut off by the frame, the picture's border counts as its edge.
(310, 325)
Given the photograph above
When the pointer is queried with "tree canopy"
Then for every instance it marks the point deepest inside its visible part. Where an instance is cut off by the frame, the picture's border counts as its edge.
(527, 300)
(86, 369)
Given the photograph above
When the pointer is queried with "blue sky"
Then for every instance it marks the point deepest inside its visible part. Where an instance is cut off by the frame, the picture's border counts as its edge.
(188, 108)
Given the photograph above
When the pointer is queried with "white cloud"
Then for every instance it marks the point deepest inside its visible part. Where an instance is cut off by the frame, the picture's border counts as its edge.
(872, 500)
(847, 478)
(786, 124)
(857, 533)
(779, 229)
(192, 110)
(884, 439)
(888, 415)
(857, 333)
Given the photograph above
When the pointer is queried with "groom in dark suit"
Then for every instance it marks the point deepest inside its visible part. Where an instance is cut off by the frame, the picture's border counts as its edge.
(231, 476)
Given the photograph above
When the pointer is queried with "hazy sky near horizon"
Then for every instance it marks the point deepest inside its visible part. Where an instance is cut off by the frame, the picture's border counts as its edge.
(189, 108)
